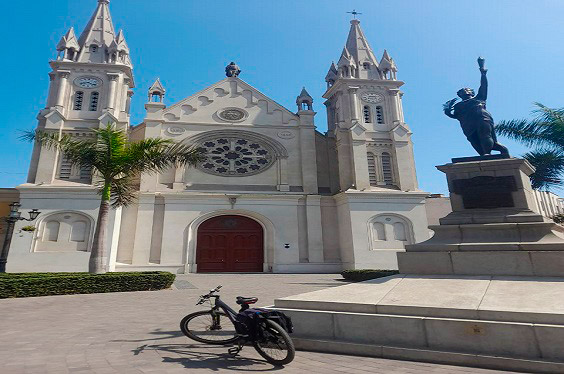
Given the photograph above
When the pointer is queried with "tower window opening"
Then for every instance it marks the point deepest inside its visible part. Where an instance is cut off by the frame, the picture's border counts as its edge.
(78, 100)
(93, 48)
(367, 114)
(366, 66)
(156, 97)
(65, 169)
(94, 97)
(387, 168)
(379, 115)
(372, 177)
(70, 54)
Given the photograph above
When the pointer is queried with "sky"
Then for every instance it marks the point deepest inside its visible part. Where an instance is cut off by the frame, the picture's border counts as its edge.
(284, 45)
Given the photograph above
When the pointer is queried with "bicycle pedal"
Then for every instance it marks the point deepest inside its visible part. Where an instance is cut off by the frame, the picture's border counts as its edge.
(234, 351)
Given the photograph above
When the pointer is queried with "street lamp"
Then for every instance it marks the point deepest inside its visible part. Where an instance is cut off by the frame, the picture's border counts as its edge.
(13, 217)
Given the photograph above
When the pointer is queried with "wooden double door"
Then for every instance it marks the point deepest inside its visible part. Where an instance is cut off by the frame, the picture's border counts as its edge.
(230, 244)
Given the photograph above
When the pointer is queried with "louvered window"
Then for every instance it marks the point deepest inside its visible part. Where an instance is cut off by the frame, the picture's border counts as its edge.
(387, 168)
(379, 115)
(65, 169)
(94, 97)
(372, 169)
(367, 114)
(78, 99)
(85, 174)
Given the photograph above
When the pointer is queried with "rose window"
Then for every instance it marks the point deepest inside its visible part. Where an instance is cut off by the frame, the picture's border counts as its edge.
(234, 156)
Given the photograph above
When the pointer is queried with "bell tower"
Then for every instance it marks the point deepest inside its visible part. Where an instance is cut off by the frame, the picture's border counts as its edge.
(365, 115)
(90, 86)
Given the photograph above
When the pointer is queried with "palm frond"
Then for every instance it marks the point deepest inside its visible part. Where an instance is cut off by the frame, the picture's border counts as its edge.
(123, 191)
(549, 168)
(546, 130)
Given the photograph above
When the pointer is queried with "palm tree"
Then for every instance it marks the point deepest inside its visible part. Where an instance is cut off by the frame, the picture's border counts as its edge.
(117, 163)
(546, 134)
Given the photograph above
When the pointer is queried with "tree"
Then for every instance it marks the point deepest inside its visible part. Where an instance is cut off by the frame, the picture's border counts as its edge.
(117, 164)
(546, 134)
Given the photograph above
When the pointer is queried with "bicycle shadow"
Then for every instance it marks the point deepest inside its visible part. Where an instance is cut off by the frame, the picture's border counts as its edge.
(201, 356)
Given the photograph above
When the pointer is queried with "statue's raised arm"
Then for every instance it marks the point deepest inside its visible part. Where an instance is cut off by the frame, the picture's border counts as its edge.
(483, 90)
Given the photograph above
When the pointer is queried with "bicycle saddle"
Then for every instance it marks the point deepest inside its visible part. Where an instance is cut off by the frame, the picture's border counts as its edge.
(246, 300)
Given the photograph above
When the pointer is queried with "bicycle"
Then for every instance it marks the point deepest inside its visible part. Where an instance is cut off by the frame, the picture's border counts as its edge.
(221, 325)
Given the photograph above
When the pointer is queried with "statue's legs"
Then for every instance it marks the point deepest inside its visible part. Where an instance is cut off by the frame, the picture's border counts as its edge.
(501, 148)
(476, 143)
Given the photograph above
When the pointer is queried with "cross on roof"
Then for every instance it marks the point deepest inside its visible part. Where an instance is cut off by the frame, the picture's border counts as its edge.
(354, 13)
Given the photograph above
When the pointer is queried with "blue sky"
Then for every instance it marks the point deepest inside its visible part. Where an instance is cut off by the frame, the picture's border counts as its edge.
(284, 45)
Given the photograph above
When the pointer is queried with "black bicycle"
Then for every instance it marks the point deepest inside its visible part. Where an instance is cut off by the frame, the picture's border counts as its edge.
(266, 330)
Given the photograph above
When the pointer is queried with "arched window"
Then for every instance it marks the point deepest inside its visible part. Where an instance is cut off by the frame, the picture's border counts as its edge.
(94, 96)
(78, 99)
(64, 232)
(51, 232)
(366, 66)
(367, 114)
(399, 231)
(78, 231)
(93, 48)
(379, 231)
(372, 169)
(387, 168)
(379, 115)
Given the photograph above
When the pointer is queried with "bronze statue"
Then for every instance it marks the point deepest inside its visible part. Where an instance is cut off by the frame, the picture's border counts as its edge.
(476, 122)
(232, 70)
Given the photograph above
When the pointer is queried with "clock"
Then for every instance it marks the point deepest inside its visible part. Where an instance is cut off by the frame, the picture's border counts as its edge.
(372, 97)
(87, 82)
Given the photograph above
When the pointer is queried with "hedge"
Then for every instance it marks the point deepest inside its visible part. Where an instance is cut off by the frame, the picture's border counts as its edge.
(44, 284)
(366, 274)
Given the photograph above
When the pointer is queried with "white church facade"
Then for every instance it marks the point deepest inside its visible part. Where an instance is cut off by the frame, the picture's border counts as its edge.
(273, 195)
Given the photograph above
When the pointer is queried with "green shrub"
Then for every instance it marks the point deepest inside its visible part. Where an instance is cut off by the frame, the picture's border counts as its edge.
(43, 284)
(366, 274)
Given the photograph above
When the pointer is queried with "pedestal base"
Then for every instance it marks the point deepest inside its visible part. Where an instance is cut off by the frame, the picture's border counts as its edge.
(512, 323)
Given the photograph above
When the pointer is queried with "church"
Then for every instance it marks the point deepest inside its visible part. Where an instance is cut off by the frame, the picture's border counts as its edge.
(273, 194)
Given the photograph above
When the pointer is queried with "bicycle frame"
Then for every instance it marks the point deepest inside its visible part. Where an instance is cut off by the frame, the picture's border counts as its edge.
(230, 312)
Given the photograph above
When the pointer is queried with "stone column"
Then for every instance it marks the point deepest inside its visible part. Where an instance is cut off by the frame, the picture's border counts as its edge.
(143, 230)
(178, 184)
(314, 230)
(394, 104)
(353, 103)
(63, 83)
(112, 91)
(283, 174)
(125, 94)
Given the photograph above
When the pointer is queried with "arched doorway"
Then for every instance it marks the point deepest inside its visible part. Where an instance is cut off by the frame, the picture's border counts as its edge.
(230, 244)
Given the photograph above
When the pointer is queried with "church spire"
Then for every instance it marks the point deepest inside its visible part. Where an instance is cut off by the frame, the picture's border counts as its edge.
(357, 59)
(98, 35)
(68, 46)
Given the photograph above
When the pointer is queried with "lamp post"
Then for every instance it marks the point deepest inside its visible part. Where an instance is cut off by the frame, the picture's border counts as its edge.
(15, 216)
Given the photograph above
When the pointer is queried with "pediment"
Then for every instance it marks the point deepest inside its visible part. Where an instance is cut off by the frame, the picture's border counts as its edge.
(228, 101)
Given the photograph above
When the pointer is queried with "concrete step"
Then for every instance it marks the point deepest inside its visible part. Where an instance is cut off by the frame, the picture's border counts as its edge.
(513, 323)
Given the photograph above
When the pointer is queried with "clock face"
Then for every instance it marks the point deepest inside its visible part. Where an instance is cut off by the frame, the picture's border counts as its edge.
(87, 82)
(372, 97)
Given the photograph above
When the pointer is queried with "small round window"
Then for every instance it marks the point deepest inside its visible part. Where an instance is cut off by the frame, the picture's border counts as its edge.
(235, 156)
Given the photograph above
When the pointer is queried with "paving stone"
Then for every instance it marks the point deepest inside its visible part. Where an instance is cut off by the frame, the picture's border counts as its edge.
(138, 332)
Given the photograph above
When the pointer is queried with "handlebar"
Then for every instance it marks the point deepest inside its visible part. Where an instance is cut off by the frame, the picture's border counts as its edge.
(203, 298)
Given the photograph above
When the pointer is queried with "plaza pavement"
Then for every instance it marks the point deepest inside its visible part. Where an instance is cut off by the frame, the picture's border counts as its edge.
(137, 332)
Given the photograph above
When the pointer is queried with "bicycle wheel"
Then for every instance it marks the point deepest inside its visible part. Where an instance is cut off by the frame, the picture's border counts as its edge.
(205, 327)
(274, 344)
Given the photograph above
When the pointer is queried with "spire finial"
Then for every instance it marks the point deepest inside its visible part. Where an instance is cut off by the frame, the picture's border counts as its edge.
(104, 1)
(354, 13)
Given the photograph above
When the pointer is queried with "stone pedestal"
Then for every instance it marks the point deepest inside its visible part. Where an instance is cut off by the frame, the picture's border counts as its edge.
(493, 228)
(477, 293)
